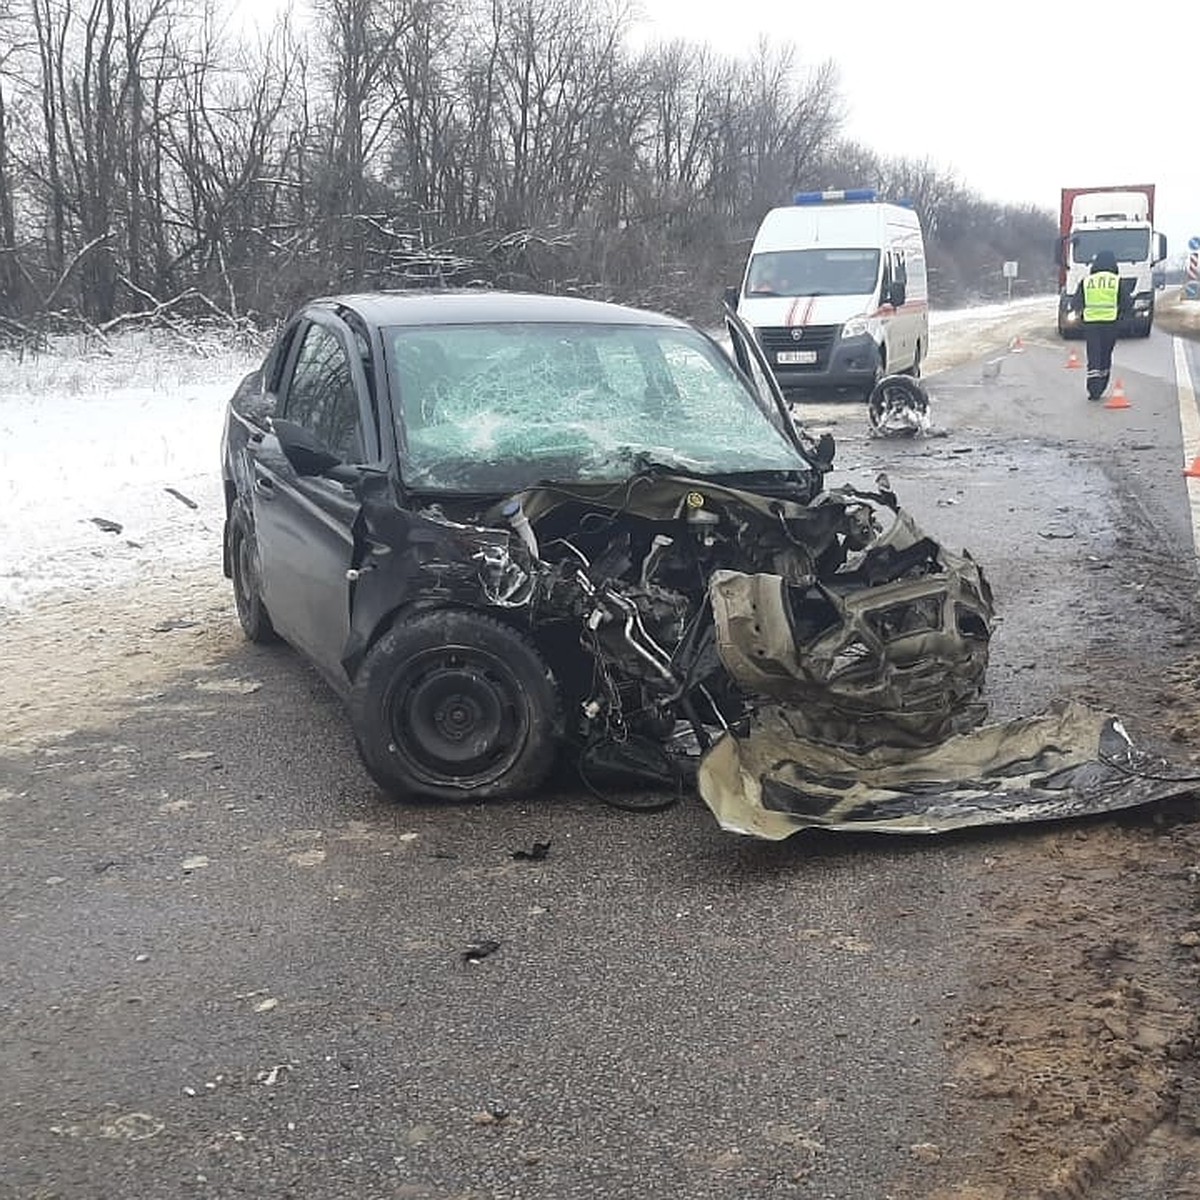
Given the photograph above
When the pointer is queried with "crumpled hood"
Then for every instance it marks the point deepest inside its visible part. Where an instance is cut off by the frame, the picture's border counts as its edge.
(893, 648)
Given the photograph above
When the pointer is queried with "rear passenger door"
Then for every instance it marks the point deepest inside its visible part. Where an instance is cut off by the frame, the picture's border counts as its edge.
(304, 524)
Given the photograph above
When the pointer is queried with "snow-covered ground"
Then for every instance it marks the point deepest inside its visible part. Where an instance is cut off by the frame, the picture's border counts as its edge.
(86, 435)
(93, 433)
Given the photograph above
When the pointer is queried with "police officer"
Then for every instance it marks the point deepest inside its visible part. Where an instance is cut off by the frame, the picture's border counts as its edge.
(1103, 303)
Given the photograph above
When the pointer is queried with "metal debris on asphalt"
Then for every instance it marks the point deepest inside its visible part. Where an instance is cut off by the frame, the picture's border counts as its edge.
(477, 951)
(537, 853)
(181, 497)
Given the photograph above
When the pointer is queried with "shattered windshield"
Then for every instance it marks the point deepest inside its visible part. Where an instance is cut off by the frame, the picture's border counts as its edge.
(825, 272)
(1127, 245)
(496, 407)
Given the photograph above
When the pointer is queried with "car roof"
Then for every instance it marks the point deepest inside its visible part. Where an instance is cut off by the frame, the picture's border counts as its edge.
(471, 306)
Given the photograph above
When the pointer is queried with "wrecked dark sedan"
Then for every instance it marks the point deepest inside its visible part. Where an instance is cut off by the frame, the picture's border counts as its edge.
(511, 529)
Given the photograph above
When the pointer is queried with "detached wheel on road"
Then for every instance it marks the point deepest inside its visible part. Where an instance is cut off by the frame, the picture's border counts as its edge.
(452, 704)
(247, 590)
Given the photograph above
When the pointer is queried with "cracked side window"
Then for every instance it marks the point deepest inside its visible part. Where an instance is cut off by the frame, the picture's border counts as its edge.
(321, 396)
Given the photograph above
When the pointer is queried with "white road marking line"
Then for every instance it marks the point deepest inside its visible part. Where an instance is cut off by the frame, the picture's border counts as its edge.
(1189, 424)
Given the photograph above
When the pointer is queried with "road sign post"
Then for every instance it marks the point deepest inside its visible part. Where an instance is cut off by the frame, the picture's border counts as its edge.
(1010, 273)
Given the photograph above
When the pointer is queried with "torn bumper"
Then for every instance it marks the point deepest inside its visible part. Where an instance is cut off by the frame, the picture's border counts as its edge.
(1068, 762)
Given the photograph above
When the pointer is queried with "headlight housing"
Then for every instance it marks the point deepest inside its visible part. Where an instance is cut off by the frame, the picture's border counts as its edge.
(855, 327)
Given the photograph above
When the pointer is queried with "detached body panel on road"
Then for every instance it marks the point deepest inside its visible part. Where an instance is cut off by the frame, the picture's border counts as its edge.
(502, 524)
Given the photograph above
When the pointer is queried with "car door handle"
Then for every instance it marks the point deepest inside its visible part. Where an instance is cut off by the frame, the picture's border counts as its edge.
(264, 487)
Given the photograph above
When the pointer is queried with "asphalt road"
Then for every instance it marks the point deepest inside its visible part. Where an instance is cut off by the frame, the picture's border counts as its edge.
(231, 968)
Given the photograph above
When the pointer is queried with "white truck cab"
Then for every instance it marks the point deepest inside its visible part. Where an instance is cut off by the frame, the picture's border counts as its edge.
(835, 291)
(1120, 221)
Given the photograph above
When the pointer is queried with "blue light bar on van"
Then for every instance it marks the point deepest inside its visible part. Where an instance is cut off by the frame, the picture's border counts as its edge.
(844, 196)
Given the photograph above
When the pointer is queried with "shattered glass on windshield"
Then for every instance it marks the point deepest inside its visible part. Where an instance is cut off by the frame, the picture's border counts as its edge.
(490, 408)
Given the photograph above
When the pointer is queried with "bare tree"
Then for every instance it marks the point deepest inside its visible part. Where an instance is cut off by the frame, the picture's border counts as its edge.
(362, 37)
(12, 48)
(164, 166)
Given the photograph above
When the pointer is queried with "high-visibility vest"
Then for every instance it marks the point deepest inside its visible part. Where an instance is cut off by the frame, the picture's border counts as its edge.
(1100, 294)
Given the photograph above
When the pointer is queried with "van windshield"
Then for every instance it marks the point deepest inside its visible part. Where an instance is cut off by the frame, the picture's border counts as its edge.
(823, 272)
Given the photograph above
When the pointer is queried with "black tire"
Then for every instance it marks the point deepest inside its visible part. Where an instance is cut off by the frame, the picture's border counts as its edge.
(452, 704)
(897, 406)
(247, 596)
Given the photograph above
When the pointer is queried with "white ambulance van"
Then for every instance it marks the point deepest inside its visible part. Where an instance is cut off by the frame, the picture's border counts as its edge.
(835, 291)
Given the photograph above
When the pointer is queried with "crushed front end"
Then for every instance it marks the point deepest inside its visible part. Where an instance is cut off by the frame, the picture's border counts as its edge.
(671, 609)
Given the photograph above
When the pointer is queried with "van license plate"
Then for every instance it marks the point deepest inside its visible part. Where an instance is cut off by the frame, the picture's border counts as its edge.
(796, 356)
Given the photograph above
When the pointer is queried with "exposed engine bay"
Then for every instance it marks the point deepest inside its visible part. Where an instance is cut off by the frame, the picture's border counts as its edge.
(670, 609)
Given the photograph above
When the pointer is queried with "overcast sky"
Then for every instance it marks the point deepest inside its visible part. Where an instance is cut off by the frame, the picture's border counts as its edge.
(1004, 109)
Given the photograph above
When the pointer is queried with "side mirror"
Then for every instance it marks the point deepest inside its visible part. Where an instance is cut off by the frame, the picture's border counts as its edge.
(259, 408)
(896, 293)
(1058, 252)
(1160, 247)
(303, 450)
(730, 296)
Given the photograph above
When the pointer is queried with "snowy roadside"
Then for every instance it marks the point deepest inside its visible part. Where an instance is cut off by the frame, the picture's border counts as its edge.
(1177, 315)
(957, 336)
(90, 444)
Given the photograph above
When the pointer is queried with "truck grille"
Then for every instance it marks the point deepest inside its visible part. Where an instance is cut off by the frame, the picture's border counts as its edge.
(819, 338)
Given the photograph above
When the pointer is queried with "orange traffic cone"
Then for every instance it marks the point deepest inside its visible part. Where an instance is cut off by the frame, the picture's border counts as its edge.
(1193, 472)
(1073, 360)
(1118, 398)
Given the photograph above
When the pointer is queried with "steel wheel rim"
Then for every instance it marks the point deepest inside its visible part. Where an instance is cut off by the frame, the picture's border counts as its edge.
(454, 714)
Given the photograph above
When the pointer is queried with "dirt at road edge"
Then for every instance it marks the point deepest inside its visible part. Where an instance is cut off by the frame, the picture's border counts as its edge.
(75, 661)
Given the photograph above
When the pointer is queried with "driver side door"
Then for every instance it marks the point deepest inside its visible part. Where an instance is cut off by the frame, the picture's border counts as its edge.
(304, 523)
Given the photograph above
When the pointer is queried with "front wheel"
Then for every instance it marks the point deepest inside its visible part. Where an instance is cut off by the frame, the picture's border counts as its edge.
(453, 704)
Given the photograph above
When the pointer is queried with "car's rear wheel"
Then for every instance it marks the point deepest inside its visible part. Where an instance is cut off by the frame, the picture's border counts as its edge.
(247, 588)
(452, 704)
